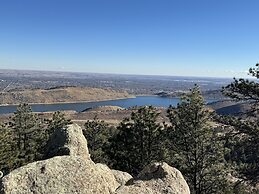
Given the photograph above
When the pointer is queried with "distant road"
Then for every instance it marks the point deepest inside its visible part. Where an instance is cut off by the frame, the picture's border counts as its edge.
(7, 86)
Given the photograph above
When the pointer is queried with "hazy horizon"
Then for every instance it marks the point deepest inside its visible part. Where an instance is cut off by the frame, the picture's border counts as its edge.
(126, 74)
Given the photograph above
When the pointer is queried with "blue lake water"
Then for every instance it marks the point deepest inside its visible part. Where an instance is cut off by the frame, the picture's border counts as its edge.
(125, 103)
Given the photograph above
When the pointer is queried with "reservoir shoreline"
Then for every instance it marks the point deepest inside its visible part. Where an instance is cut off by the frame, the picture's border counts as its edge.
(71, 102)
(155, 101)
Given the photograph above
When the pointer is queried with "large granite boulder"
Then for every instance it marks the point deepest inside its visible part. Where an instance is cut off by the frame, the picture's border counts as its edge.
(70, 170)
(157, 178)
(61, 175)
(68, 141)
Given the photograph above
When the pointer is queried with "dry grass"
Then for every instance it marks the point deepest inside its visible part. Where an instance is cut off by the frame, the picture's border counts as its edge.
(61, 95)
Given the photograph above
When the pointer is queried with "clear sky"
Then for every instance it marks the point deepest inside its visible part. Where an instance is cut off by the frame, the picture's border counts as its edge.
(218, 38)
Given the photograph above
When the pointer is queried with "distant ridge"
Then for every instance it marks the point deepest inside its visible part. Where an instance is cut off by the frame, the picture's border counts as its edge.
(50, 72)
(61, 94)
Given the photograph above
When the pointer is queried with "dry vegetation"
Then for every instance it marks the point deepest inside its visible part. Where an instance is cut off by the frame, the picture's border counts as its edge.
(60, 95)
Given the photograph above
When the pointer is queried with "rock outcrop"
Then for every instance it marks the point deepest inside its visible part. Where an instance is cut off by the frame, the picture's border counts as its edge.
(70, 170)
(69, 141)
(61, 174)
(157, 178)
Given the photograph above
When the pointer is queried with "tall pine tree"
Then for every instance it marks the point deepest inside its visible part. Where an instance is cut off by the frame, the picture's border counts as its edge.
(138, 141)
(27, 132)
(245, 148)
(98, 134)
(194, 146)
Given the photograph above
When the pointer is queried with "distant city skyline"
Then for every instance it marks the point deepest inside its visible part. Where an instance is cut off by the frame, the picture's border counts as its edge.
(214, 38)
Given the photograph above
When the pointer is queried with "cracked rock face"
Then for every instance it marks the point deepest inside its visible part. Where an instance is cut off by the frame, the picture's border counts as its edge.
(70, 170)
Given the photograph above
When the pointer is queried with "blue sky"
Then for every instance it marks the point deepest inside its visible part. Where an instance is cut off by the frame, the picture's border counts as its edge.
(217, 38)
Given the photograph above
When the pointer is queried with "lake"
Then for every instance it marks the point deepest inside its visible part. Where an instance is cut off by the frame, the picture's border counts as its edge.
(80, 106)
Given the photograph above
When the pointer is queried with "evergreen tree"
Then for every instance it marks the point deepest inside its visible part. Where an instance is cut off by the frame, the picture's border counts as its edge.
(245, 148)
(20, 139)
(195, 148)
(246, 90)
(27, 133)
(25, 138)
(97, 134)
(57, 121)
(137, 142)
(8, 153)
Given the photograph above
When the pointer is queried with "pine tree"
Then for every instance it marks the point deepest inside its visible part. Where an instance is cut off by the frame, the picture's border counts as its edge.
(20, 139)
(98, 134)
(57, 121)
(27, 133)
(195, 148)
(246, 90)
(246, 128)
(25, 138)
(137, 142)
(8, 153)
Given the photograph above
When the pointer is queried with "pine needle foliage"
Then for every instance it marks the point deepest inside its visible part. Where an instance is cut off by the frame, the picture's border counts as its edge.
(195, 148)
(138, 141)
